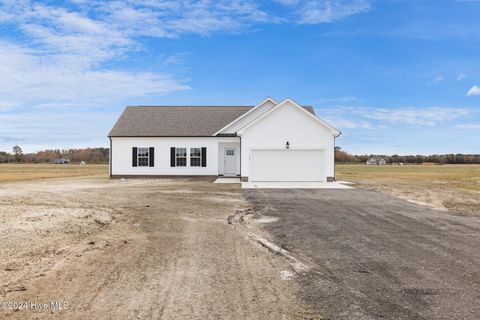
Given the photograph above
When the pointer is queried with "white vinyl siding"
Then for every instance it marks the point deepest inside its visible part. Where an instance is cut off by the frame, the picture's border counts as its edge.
(288, 123)
(122, 154)
(265, 106)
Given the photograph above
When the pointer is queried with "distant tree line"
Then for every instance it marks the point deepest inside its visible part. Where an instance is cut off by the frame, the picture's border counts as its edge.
(100, 155)
(6, 157)
(89, 155)
(342, 156)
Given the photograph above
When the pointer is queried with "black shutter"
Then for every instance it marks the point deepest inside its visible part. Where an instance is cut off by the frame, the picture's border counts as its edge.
(134, 156)
(172, 157)
(204, 157)
(151, 154)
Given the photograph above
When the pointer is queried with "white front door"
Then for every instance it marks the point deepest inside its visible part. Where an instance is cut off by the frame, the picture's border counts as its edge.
(230, 161)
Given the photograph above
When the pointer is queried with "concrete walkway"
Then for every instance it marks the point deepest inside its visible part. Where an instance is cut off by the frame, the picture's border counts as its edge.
(294, 185)
(227, 180)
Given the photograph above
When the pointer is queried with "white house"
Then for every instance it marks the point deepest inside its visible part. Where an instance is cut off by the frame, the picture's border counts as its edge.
(268, 142)
(376, 161)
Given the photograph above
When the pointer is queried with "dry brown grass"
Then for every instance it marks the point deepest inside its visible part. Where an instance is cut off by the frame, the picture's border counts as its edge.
(19, 172)
(454, 187)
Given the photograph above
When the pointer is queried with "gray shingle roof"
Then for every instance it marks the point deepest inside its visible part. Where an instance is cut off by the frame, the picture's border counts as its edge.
(176, 121)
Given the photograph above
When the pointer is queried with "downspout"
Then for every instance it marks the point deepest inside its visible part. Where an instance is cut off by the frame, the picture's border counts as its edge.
(240, 156)
(110, 159)
(334, 151)
(334, 156)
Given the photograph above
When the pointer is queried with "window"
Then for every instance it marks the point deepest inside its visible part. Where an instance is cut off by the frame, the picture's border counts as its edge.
(142, 157)
(230, 152)
(195, 156)
(181, 157)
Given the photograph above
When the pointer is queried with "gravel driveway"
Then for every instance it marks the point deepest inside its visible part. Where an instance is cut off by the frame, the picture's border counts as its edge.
(373, 256)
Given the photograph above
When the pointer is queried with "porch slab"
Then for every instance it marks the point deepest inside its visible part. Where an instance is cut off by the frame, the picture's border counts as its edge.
(294, 185)
(227, 180)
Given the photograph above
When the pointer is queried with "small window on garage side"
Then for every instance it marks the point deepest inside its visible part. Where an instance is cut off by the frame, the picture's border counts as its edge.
(142, 157)
(230, 152)
(195, 157)
(181, 157)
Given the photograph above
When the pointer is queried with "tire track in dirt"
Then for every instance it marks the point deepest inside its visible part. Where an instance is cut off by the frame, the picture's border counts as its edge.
(167, 252)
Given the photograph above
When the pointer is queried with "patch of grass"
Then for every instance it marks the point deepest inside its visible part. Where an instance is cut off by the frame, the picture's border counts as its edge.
(19, 172)
(462, 207)
(308, 313)
(456, 187)
(470, 187)
(446, 173)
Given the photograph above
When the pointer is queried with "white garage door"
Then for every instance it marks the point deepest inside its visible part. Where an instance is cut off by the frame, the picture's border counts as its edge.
(287, 165)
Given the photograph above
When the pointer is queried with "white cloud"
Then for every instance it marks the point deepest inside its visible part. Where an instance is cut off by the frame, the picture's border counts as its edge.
(7, 105)
(35, 131)
(324, 11)
(461, 76)
(173, 18)
(29, 77)
(475, 90)
(468, 126)
(338, 100)
(65, 58)
(288, 2)
(374, 117)
(113, 24)
(61, 57)
(438, 79)
(417, 116)
(349, 123)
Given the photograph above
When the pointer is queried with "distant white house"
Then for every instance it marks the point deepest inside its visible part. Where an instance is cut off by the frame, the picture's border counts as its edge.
(61, 161)
(376, 161)
(272, 141)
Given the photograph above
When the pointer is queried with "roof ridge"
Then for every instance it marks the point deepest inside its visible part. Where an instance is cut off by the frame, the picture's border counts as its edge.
(200, 106)
(193, 106)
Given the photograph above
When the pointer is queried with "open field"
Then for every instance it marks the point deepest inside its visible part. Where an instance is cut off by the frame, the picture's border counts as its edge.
(29, 171)
(446, 187)
(452, 187)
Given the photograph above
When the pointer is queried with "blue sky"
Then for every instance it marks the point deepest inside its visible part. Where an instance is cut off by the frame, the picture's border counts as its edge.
(394, 76)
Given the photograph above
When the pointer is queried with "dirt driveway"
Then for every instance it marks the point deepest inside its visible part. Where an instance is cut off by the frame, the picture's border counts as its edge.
(373, 256)
(140, 249)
